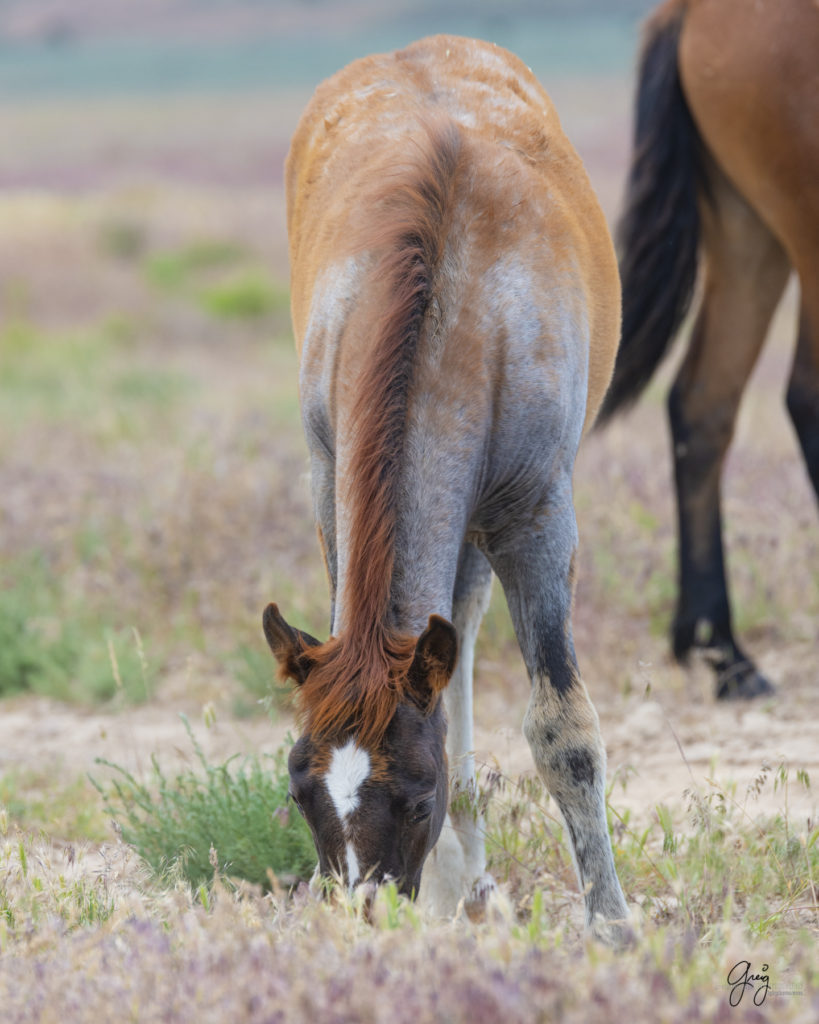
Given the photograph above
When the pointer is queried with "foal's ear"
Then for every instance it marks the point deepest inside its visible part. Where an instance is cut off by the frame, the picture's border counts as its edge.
(434, 662)
(286, 643)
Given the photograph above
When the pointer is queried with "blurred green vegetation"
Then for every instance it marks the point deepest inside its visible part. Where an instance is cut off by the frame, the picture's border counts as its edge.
(53, 646)
(53, 375)
(66, 808)
(245, 297)
(221, 278)
(254, 671)
(178, 267)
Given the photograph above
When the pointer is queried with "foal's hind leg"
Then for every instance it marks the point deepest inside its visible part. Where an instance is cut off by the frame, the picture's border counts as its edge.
(746, 271)
(456, 868)
(536, 569)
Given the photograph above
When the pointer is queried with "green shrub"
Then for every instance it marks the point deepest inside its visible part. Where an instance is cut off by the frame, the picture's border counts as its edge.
(236, 820)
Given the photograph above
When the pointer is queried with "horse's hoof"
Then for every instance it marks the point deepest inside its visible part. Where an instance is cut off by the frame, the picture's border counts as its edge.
(742, 681)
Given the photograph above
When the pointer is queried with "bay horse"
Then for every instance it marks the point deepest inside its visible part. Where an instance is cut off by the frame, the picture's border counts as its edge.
(455, 303)
(724, 172)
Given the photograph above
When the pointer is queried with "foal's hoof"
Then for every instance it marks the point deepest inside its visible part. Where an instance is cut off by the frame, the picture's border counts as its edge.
(477, 903)
(742, 681)
(618, 935)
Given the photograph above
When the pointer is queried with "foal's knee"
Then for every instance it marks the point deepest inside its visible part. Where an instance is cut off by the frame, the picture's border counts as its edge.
(564, 736)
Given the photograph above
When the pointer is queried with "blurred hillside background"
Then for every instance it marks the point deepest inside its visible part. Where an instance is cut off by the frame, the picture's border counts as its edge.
(96, 45)
(68, 55)
(160, 44)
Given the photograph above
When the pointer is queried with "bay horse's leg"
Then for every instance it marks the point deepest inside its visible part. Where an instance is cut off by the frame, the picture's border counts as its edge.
(536, 568)
(803, 388)
(456, 868)
(746, 271)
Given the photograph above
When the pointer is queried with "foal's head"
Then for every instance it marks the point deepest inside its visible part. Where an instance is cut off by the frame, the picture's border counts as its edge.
(369, 773)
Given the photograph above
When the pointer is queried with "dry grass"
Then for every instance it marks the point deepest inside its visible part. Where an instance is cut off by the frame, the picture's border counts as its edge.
(104, 943)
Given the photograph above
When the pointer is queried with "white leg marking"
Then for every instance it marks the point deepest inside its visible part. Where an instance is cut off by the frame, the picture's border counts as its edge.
(456, 867)
(353, 870)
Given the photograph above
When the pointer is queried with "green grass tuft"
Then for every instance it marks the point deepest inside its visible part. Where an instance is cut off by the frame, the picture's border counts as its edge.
(235, 821)
(38, 888)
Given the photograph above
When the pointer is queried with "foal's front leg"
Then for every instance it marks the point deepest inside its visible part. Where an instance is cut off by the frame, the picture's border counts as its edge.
(456, 868)
(535, 568)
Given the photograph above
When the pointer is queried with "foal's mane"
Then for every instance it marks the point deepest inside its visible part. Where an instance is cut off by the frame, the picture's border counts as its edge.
(355, 681)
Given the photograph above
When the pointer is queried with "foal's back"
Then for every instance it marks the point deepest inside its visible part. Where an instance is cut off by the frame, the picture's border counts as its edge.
(527, 262)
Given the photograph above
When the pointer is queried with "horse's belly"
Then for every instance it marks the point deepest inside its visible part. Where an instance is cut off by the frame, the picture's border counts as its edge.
(750, 73)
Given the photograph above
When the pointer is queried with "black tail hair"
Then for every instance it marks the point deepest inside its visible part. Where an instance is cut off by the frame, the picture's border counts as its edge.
(658, 235)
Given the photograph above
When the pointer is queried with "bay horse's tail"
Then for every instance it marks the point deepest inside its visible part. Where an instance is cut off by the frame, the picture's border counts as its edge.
(658, 235)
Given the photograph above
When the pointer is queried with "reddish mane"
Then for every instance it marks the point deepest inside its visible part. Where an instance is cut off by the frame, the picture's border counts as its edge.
(357, 679)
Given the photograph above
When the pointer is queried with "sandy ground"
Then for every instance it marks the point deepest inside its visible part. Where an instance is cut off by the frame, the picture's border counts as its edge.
(664, 744)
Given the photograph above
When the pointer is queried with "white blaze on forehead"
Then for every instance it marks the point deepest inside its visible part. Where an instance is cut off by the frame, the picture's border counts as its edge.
(349, 769)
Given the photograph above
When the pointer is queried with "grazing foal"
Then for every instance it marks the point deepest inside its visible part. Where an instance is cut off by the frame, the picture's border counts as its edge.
(456, 307)
(725, 172)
